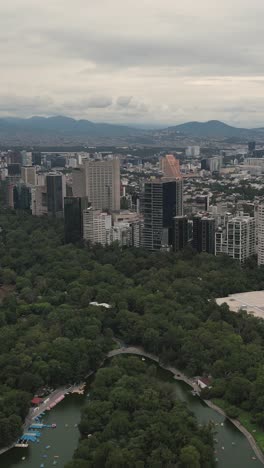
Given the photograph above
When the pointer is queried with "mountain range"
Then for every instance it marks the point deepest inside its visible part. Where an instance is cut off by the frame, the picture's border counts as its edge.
(62, 128)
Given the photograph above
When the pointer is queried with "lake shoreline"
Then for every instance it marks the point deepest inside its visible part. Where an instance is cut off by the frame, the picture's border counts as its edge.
(178, 375)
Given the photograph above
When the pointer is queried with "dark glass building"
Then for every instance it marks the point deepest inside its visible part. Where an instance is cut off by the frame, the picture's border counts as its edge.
(251, 146)
(14, 169)
(73, 218)
(180, 233)
(55, 195)
(22, 197)
(204, 234)
(36, 158)
(163, 200)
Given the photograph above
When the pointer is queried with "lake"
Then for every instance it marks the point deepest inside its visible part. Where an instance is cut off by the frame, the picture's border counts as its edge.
(232, 448)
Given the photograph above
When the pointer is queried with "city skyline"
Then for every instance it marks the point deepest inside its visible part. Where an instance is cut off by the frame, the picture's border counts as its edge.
(142, 62)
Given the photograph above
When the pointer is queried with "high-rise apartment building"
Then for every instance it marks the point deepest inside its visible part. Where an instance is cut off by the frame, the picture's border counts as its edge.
(213, 164)
(28, 175)
(204, 234)
(97, 226)
(237, 239)
(192, 151)
(26, 158)
(163, 200)
(56, 191)
(133, 223)
(261, 234)
(73, 218)
(39, 200)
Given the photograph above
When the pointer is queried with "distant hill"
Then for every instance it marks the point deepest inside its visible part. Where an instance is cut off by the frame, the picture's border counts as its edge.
(43, 131)
(214, 129)
(66, 126)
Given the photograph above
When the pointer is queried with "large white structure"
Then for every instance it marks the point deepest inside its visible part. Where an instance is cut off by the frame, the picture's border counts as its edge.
(99, 181)
(260, 218)
(238, 239)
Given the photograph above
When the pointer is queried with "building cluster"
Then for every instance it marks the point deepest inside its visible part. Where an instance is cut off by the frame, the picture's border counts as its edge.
(164, 205)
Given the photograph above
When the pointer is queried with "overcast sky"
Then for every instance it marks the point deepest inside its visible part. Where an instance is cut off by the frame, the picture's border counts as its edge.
(133, 61)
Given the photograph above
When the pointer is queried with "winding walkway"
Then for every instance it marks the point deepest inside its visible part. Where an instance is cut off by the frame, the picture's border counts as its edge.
(180, 376)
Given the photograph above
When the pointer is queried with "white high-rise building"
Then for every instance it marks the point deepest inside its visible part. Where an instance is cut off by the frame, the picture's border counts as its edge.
(26, 158)
(260, 218)
(39, 200)
(97, 226)
(238, 239)
(192, 151)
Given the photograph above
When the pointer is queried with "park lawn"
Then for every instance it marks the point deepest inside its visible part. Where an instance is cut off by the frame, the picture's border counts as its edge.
(221, 403)
(245, 419)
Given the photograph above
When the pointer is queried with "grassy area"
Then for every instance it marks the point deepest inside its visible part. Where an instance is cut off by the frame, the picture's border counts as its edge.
(253, 428)
(221, 403)
(245, 419)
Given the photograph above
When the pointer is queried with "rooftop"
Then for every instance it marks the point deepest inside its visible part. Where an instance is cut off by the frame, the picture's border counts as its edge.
(250, 302)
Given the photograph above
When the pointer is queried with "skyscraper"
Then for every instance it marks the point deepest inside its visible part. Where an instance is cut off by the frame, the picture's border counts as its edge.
(204, 234)
(73, 218)
(97, 226)
(36, 158)
(28, 175)
(170, 167)
(56, 190)
(238, 239)
(180, 233)
(251, 146)
(78, 182)
(162, 202)
(102, 184)
(22, 197)
(261, 234)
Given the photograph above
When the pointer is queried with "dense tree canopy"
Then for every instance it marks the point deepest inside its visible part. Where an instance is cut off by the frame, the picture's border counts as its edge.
(133, 421)
(50, 334)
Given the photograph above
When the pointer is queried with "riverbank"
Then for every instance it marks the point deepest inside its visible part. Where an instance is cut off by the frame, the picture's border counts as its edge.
(178, 375)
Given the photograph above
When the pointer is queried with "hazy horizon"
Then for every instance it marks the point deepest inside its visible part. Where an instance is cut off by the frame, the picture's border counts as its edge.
(151, 62)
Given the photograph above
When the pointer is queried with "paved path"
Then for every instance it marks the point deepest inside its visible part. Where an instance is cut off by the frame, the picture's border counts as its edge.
(180, 376)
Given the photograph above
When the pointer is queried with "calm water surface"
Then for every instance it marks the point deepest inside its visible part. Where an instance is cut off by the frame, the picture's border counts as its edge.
(64, 439)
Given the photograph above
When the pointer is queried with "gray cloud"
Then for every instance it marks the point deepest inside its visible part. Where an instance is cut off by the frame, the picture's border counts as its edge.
(123, 101)
(148, 59)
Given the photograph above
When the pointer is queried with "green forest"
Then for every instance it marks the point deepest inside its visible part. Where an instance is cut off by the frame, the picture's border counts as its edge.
(134, 421)
(50, 334)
